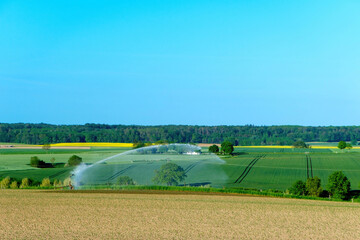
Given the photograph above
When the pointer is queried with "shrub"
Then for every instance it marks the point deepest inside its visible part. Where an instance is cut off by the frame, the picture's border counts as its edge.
(45, 183)
(338, 185)
(5, 183)
(74, 160)
(125, 180)
(138, 145)
(36, 162)
(14, 185)
(214, 149)
(25, 183)
(300, 144)
(57, 183)
(298, 188)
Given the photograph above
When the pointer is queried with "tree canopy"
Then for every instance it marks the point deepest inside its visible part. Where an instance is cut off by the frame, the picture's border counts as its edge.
(170, 174)
(125, 180)
(238, 135)
(214, 149)
(313, 186)
(338, 185)
(298, 188)
(74, 160)
(342, 145)
(36, 162)
(227, 147)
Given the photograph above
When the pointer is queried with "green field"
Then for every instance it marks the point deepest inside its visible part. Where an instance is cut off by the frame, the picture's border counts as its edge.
(270, 168)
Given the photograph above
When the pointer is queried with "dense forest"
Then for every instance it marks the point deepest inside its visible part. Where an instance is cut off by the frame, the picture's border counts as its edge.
(239, 135)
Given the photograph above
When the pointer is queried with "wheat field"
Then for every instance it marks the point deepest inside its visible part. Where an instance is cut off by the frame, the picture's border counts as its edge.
(39, 214)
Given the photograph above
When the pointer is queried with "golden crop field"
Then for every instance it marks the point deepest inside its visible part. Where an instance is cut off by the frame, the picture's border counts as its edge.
(39, 214)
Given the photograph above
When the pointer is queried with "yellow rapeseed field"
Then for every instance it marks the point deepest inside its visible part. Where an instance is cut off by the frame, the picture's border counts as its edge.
(108, 144)
(39, 214)
(92, 144)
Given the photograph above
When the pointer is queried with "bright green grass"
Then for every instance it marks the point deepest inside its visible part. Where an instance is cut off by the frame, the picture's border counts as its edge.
(279, 169)
(15, 162)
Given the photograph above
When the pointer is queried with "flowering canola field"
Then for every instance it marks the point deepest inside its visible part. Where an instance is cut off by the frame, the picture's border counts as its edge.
(92, 144)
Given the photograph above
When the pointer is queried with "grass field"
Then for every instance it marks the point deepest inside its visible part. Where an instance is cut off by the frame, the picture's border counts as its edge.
(278, 170)
(39, 214)
(261, 168)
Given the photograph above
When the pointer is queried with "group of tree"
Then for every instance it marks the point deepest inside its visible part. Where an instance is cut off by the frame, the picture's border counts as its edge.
(125, 180)
(226, 148)
(343, 145)
(36, 162)
(13, 183)
(238, 135)
(74, 160)
(338, 186)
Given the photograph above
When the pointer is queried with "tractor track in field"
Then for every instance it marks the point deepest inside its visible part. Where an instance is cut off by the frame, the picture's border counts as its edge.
(248, 168)
(58, 173)
(119, 173)
(309, 169)
(191, 166)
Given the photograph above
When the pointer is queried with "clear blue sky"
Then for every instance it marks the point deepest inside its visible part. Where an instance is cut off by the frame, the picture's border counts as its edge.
(180, 62)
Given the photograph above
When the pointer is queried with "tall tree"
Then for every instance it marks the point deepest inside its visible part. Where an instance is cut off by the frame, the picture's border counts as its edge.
(313, 186)
(169, 173)
(342, 145)
(227, 147)
(338, 185)
(214, 149)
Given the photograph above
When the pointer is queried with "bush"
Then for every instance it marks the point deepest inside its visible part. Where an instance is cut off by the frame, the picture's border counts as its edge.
(57, 183)
(45, 183)
(338, 185)
(138, 145)
(36, 162)
(14, 185)
(300, 144)
(5, 183)
(313, 186)
(74, 160)
(125, 180)
(298, 188)
(214, 149)
(25, 183)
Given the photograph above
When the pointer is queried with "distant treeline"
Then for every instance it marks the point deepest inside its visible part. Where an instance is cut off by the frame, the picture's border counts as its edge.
(239, 135)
